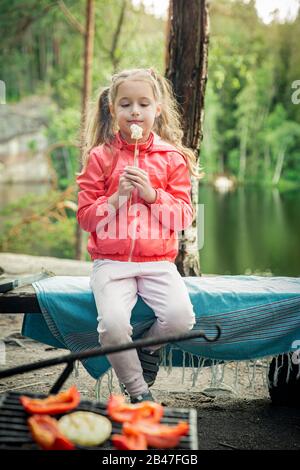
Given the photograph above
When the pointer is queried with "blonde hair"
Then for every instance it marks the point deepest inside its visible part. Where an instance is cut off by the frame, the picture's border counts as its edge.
(101, 126)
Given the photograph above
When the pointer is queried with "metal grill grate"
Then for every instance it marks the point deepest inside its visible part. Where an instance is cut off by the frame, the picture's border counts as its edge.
(14, 432)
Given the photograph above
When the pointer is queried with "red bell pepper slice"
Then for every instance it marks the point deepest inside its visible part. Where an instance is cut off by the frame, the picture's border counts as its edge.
(54, 404)
(46, 433)
(160, 436)
(123, 412)
(133, 440)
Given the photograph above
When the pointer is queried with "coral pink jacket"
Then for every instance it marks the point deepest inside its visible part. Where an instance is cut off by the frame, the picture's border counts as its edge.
(137, 231)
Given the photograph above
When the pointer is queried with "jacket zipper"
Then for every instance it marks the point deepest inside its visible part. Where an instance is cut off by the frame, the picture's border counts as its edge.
(135, 163)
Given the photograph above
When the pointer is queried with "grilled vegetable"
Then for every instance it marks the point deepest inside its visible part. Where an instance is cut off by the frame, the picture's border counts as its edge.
(85, 428)
(160, 436)
(47, 435)
(54, 404)
(122, 412)
(141, 426)
(133, 440)
(140, 434)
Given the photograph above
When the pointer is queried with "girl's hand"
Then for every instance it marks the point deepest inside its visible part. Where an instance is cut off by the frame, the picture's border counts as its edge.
(125, 186)
(139, 178)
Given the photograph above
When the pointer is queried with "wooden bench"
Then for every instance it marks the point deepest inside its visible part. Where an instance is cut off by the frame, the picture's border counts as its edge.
(20, 300)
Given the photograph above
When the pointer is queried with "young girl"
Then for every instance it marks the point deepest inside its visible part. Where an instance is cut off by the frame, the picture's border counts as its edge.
(134, 197)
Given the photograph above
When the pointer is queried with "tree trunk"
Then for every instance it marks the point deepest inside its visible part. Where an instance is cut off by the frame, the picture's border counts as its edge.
(56, 52)
(243, 152)
(267, 161)
(86, 92)
(186, 68)
(116, 37)
(279, 166)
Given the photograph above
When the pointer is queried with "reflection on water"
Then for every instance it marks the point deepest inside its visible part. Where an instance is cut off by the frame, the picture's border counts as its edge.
(10, 193)
(251, 229)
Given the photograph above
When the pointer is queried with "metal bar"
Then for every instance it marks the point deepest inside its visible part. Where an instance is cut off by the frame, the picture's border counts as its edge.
(62, 378)
(141, 343)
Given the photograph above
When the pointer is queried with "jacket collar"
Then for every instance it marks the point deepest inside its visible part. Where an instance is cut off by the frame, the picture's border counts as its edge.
(121, 143)
(153, 144)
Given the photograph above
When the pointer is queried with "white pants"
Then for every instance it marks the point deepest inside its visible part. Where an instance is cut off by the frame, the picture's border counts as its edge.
(116, 285)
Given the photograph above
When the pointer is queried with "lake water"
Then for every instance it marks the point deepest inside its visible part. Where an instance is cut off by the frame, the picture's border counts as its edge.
(251, 230)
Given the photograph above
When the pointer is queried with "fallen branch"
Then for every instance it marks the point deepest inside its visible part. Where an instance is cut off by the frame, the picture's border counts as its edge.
(24, 386)
(228, 445)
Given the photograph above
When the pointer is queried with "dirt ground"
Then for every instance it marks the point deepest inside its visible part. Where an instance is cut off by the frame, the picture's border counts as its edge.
(232, 416)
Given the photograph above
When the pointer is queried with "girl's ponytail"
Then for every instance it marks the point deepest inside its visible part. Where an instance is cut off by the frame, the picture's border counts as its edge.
(99, 127)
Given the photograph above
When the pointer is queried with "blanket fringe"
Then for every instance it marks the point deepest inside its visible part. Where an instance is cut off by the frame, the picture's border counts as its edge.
(76, 368)
(99, 385)
(298, 373)
(257, 371)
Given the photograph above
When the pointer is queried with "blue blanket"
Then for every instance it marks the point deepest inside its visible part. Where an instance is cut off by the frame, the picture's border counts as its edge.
(259, 316)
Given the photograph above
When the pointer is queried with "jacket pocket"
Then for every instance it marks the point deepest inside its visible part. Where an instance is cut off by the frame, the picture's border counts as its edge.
(152, 247)
(109, 246)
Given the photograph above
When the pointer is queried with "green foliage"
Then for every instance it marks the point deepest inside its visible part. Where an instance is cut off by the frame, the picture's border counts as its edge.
(36, 225)
(58, 240)
(63, 128)
(251, 69)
